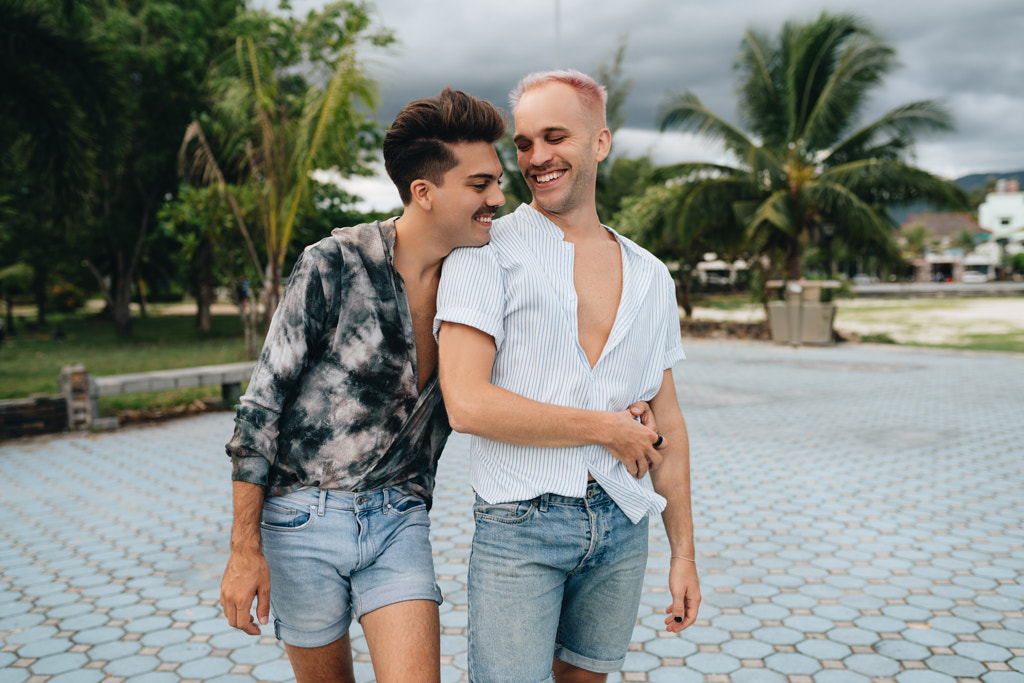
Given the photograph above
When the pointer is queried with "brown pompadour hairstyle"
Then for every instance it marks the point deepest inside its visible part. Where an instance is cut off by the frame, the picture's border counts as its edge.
(418, 144)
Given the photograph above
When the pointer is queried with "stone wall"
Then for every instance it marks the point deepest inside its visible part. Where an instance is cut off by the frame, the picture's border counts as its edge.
(724, 329)
(30, 416)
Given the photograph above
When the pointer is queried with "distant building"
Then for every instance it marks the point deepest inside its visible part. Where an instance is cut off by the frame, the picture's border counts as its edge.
(945, 258)
(1002, 213)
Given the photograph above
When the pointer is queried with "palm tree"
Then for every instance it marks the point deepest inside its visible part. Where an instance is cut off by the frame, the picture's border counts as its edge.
(806, 162)
(287, 124)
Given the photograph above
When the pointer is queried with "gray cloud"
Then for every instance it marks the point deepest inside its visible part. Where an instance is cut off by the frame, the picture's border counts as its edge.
(965, 54)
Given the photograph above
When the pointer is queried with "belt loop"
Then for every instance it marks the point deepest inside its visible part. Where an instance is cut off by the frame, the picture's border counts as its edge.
(384, 503)
(542, 501)
(323, 503)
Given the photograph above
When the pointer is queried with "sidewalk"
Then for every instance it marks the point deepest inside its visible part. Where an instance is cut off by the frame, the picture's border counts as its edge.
(858, 508)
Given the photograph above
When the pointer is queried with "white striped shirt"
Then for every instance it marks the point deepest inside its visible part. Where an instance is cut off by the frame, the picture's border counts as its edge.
(519, 290)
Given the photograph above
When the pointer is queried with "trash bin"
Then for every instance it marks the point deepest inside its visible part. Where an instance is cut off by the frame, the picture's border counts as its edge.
(801, 318)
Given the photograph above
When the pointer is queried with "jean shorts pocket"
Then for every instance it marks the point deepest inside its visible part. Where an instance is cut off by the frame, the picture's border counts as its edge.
(505, 513)
(280, 518)
(403, 505)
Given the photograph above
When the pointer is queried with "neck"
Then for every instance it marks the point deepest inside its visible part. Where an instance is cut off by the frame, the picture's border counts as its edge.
(417, 255)
(578, 224)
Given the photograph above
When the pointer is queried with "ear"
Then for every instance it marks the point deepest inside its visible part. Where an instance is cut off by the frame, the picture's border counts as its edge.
(604, 144)
(422, 193)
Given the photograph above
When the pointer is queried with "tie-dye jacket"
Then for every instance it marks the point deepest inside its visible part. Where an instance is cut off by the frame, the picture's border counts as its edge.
(333, 402)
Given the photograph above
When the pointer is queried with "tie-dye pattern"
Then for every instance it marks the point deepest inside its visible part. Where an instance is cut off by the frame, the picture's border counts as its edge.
(333, 402)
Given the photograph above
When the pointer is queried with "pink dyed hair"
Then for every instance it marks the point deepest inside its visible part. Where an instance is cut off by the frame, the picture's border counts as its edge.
(593, 94)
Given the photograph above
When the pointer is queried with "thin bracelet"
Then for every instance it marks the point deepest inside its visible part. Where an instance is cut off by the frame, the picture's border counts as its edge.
(680, 557)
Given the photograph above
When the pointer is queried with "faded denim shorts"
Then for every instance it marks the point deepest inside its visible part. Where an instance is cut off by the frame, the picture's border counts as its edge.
(335, 555)
(553, 577)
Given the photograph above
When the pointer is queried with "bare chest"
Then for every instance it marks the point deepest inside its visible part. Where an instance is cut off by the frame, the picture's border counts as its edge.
(597, 277)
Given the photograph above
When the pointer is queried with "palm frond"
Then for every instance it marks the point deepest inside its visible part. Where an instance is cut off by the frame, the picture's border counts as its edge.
(687, 113)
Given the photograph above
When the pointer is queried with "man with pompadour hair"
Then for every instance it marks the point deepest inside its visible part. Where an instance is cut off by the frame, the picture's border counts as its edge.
(339, 432)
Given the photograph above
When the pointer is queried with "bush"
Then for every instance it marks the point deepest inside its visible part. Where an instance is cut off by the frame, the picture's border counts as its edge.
(66, 297)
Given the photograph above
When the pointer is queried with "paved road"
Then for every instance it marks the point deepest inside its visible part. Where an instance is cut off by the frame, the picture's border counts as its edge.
(859, 519)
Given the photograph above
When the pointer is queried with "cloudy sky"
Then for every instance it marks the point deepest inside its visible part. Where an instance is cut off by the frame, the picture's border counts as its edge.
(970, 55)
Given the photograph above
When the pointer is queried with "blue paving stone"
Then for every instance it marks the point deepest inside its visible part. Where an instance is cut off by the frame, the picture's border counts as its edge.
(778, 635)
(840, 676)
(705, 635)
(954, 625)
(712, 663)
(872, 665)
(165, 637)
(640, 661)
(835, 612)
(58, 664)
(791, 664)
(746, 649)
(975, 613)
(198, 613)
(823, 649)
(83, 622)
(95, 636)
(672, 647)
(1001, 677)
(27, 635)
(1017, 663)
(132, 612)
(115, 650)
(809, 624)
(184, 652)
(207, 667)
(13, 608)
(280, 670)
(131, 665)
(902, 650)
(757, 676)
(853, 636)
(1002, 637)
(929, 636)
(147, 624)
(46, 646)
(982, 652)
(82, 676)
(735, 623)
(667, 674)
(256, 654)
(955, 665)
(21, 621)
(165, 677)
(881, 624)
(211, 626)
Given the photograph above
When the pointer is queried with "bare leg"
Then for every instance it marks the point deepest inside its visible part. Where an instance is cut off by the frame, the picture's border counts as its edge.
(567, 673)
(328, 664)
(405, 642)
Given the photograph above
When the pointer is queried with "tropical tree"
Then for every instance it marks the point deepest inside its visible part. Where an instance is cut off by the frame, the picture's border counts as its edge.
(807, 162)
(288, 99)
(59, 99)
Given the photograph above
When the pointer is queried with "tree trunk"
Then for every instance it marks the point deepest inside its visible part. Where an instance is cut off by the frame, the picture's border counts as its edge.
(204, 284)
(39, 279)
(683, 293)
(141, 290)
(122, 296)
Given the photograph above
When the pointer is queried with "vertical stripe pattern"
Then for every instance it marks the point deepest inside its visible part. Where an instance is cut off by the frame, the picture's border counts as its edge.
(519, 290)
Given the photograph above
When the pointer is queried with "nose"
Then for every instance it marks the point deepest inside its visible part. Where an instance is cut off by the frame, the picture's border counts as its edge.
(540, 154)
(495, 197)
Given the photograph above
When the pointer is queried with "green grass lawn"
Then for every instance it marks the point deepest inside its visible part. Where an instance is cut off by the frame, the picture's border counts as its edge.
(31, 361)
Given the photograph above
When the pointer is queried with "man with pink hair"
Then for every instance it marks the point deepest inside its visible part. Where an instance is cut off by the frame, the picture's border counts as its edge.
(560, 309)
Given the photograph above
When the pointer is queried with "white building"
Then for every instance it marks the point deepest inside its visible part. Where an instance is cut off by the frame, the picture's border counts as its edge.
(1002, 213)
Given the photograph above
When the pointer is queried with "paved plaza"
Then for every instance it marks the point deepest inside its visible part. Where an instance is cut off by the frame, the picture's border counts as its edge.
(858, 509)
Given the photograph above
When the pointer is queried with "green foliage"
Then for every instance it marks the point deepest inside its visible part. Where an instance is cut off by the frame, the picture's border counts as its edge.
(296, 103)
(807, 163)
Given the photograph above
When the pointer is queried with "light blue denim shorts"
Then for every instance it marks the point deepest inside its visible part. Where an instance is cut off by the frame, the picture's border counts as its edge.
(335, 555)
(553, 577)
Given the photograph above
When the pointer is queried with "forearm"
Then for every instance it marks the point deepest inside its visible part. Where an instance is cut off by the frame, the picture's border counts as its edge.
(248, 507)
(672, 479)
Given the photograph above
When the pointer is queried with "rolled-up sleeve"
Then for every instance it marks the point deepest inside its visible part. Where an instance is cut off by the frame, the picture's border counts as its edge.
(295, 327)
(471, 292)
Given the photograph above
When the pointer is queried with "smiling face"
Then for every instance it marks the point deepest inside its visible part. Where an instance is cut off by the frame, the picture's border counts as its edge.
(468, 196)
(559, 143)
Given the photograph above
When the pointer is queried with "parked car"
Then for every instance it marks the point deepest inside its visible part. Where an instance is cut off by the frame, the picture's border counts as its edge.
(974, 276)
